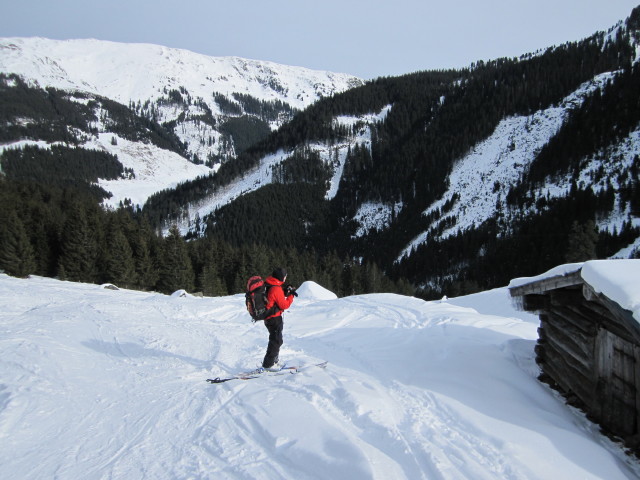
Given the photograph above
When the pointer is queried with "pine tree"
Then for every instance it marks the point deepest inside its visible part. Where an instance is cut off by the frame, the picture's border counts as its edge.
(211, 283)
(372, 278)
(144, 245)
(349, 282)
(582, 241)
(40, 223)
(16, 253)
(258, 260)
(119, 264)
(241, 276)
(332, 272)
(146, 273)
(79, 248)
(176, 271)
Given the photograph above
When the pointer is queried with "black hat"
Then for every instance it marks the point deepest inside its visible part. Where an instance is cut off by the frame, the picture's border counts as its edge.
(279, 273)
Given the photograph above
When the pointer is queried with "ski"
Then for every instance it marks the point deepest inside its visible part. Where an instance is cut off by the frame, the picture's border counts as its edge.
(250, 374)
(319, 365)
(294, 370)
(261, 372)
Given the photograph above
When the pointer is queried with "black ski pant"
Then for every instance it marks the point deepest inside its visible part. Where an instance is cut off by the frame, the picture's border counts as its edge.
(274, 325)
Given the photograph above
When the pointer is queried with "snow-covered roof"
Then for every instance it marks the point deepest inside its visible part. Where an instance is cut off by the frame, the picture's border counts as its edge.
(619, 280)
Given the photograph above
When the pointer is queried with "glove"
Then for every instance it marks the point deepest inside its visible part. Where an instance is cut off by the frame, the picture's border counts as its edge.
(289, 290)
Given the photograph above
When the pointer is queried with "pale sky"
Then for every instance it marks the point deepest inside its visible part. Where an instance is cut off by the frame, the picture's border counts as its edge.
(366, 38)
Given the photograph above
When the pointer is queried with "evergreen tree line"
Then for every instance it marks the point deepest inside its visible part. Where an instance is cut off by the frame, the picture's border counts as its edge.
(62, 232)
(245, 104)
(61, 166)
(123, 121)
(354, 175)
(228, 106)
(246, 122)
(151, 111)
(245, 131)
(268, 111)
(40, 114)
(280, 215)
(303, 166)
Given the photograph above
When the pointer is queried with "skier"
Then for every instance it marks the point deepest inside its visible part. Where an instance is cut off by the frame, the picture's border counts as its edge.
(280, 296)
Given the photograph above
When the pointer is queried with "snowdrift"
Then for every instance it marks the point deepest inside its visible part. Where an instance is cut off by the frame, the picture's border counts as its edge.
(311, 291)
(97, 383)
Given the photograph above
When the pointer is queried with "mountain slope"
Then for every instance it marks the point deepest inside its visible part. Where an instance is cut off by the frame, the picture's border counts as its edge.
(100, 383)
(480, 181)
(434, 177)
(216, 106)
(440, 174)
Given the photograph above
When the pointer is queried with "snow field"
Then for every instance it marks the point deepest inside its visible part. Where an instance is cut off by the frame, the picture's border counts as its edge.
(99, 384)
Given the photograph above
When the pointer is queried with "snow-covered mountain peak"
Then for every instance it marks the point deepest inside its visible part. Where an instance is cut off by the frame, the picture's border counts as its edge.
(132, 72)
(190, 94)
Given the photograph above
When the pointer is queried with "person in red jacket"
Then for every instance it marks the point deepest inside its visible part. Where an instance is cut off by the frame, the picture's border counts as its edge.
(280, 297)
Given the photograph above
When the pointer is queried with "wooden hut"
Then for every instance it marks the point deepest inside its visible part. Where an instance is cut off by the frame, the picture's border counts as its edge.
(588, 349)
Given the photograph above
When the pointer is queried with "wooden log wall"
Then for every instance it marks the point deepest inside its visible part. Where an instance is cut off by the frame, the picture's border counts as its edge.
(589, 350)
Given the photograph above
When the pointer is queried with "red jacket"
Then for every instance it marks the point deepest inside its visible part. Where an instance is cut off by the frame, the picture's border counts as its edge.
(275, 296)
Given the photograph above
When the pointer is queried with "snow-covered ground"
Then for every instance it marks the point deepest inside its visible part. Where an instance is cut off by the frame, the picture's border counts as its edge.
(374, 216)
(99, 384)
(155, 169)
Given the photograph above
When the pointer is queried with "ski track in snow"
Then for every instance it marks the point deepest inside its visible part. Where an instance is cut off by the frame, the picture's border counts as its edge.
(100, 384)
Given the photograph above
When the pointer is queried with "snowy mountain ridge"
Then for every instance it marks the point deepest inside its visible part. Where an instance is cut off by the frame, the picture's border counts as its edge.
(140, 72)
